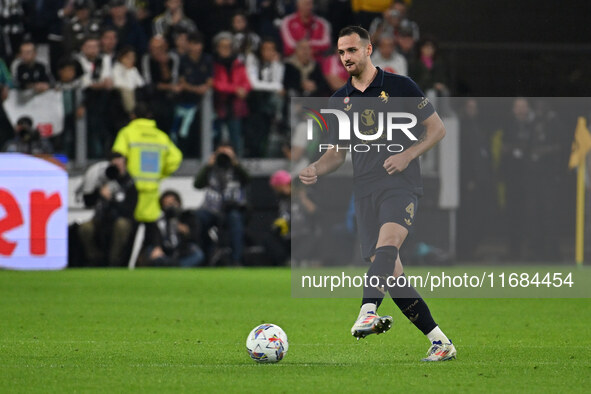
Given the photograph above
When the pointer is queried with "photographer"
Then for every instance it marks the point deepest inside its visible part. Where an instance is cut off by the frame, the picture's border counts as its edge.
(106, 235)
(224, 181)
(27, 139)
(173, 242)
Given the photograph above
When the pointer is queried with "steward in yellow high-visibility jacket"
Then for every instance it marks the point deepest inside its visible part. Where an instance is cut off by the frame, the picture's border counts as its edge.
(151, 156)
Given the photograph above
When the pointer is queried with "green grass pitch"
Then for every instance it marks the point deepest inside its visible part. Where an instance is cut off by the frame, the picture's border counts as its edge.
(185, 331)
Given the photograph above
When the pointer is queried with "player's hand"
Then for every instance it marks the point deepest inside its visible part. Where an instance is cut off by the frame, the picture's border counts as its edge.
(396, 163)
(309, 175)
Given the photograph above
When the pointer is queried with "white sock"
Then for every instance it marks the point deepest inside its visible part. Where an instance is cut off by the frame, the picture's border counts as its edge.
(369, 307)
(437, 335)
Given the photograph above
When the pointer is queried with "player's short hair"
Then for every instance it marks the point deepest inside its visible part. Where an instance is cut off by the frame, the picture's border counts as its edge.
(360, 31)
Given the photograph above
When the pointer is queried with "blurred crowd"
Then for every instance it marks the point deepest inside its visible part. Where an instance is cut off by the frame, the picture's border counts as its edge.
(514, 178)
(250, 56)
(124, 193)
(122, 64)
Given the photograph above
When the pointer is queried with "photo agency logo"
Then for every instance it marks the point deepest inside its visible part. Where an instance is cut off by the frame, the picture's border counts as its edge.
(361, 131)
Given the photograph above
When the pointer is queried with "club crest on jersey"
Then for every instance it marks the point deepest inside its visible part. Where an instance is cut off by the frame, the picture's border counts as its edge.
(384, 96)
(348, 107)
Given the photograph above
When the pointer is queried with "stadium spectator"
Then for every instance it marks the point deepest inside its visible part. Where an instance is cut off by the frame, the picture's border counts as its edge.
(265, 16)
(129, 32)
(196, 79)
(294, 223)
(214, 17)
(517, 136)
(549, 151)
(12, 28)
(303, 76)
(96, 68)
(302, 151)
(386, 57)
(97, 82)
(113, 194)
(244, 40)
(173, 22)
(28, 72)
(126, 77)
(224, 181)
(5, 85)
(277, 243)
(231, 87)
(181, 43)
(174, 240)
(338, 19)
(5, 80)
(82, 25)
(144, 11)
(108, 44)
(69, 73)
(305, 25)
(428, 69)
(265, 73)
(151, 156)
(335, 74)
(476, 182)
(365, 11)
(160, 69)
(387, 24)
(27, 139)
(45, 21)
(402, 7)
(405, 42)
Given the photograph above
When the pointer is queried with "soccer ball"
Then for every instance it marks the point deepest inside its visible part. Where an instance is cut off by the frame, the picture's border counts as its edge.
(267, 343)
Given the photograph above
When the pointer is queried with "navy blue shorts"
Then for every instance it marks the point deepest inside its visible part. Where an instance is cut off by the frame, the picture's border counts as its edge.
(372, 211)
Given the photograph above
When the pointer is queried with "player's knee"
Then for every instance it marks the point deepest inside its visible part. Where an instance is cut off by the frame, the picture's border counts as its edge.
(392, 234)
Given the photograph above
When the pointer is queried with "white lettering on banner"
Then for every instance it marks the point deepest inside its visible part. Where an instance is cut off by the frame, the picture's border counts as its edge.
(46, 109)
(344, 123)
(33, 213)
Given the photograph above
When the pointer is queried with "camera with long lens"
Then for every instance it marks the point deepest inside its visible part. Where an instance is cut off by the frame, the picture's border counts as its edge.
(223, 161)
(26, 130)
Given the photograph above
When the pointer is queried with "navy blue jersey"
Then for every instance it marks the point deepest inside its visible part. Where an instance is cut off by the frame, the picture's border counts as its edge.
(368, 111)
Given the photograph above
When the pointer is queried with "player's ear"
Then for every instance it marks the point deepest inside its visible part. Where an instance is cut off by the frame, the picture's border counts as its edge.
(369, 49)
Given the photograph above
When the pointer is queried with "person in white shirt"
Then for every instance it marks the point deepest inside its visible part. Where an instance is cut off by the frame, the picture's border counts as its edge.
(109, 41)
(97, 85)
(387, 58)
(265, 74)
(265, 69)
(126, 77)
(96, 68)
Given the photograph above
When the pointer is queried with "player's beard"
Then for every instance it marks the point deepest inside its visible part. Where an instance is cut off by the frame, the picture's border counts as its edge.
(357, 70)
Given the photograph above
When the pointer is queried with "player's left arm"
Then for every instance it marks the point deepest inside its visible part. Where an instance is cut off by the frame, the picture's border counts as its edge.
(434, 132)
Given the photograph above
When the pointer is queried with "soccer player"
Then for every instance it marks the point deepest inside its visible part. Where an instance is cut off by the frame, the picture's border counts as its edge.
(387, 186)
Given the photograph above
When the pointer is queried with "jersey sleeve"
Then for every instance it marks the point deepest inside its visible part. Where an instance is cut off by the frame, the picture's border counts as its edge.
(417, 103)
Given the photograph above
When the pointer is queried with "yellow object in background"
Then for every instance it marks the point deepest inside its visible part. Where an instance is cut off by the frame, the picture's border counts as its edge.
(282, 225)
(581, 144)
(580, 148)
(370, 5)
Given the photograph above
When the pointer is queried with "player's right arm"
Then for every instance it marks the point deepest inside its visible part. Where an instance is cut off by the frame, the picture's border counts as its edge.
(329, 162)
